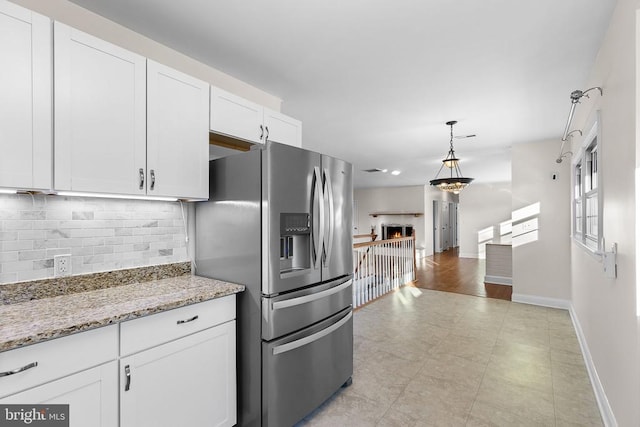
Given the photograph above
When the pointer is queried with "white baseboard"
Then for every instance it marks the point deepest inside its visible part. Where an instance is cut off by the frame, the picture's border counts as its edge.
(608, 418)
(542, 301)
(498, 280)
(468, 255)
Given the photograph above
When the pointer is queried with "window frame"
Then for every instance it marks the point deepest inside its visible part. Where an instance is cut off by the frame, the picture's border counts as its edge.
(586, 171)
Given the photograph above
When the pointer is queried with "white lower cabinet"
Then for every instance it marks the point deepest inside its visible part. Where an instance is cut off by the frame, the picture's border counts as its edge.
(92, 396)
(79, 370)
(186, 382)
(175, 368)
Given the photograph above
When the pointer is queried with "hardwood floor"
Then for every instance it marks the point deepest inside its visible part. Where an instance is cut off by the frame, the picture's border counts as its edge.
(449, 273)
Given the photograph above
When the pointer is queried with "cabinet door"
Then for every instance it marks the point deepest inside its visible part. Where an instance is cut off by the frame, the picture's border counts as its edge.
(282, 128)
(92, 396)
(235, 116)
(177, 134)
(100, 123)
(187, 382)
(25, 109)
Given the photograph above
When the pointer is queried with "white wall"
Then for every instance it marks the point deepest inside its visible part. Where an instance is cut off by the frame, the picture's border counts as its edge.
(541, 268)
(482, 205)
(390, 199)
(82, 19)
(606, 308)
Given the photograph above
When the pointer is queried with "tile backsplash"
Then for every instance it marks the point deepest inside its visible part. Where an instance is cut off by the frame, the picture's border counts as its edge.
(99, 234)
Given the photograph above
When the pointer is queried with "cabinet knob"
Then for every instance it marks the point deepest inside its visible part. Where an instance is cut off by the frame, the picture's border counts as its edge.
(261, 132)
(141, 178)
(267, 136)
(18, 370)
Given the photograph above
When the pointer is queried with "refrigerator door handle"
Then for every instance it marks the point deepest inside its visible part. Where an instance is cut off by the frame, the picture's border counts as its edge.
(318, 198)
(311, 338)
(309, 298)
(329, 194)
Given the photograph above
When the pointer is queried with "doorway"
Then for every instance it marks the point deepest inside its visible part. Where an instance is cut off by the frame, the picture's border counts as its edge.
(445, 226)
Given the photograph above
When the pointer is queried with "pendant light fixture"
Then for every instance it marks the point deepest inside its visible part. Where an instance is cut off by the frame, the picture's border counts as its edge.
(452, 183)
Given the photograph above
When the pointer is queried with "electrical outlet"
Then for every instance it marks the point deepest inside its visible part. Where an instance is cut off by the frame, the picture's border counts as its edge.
(61, 265)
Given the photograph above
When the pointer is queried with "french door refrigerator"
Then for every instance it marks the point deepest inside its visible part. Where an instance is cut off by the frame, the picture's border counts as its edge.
(278, 220)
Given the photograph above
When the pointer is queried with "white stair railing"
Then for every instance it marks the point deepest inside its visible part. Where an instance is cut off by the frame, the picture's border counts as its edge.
(381, 267)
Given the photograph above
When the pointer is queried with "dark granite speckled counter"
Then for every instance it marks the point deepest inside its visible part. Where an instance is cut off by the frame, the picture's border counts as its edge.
(40, 310)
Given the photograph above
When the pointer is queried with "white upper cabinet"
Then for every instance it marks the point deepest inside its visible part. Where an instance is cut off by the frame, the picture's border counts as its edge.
(177, 134)
(100, 120)
(239, 118)
(125, 124)
(25, 105)
(282, 128)
(235, 116)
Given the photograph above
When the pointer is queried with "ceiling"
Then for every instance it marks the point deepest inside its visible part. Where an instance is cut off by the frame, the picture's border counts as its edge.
(375, 81)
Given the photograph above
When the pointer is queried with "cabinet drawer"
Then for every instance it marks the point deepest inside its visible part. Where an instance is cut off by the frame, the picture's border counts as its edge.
(57, 358)
(147, 332)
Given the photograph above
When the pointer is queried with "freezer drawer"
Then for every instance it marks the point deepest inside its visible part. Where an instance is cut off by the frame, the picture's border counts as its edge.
(288, 313)
(302, 370)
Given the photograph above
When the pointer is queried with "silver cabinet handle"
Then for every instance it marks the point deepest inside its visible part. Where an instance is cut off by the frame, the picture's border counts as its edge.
(153, 179)
(180, 322)
(309, 298)
(267, 136)
(18, 370)
(127, 374)
(311, 338)
(141, 178)
(261, 132)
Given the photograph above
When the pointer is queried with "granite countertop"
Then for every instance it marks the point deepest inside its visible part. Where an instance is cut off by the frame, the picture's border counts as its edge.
(36, 320)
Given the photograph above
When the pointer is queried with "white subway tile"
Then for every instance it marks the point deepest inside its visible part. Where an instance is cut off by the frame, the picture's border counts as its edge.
(34, 274)
(58, 234)
(8, 256)
(18, 225)
(17, 245)
(93, 241)
(8, 235)
(45, 244)
(103, 250)
(81, 251)
(93, 259)
(8, 278)
(60, 251)
(31, 255)
(15, 266)
(32, 215)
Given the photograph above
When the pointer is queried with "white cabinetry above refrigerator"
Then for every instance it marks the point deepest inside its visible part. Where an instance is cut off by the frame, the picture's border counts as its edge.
(234, 116)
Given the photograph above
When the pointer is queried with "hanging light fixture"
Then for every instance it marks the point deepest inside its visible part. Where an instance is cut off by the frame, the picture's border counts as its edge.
(453, 184)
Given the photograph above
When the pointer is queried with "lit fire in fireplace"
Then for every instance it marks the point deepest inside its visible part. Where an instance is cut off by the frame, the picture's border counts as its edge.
(396, 235)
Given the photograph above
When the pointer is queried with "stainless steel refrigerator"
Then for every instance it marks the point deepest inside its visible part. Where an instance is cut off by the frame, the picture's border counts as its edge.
(278, 220)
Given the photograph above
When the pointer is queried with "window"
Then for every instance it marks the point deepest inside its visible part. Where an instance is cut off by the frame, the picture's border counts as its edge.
(586, 194)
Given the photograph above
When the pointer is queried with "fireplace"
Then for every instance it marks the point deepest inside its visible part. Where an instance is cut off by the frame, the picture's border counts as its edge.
(394, 231)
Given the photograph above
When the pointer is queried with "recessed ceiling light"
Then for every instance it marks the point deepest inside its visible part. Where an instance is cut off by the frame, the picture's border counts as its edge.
(395, 172)
(385, 170)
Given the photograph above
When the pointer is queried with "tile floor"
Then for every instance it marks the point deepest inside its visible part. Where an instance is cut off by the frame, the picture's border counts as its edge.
(430, 358)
